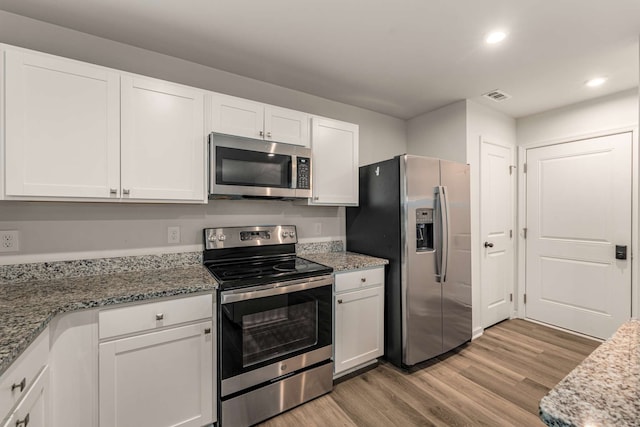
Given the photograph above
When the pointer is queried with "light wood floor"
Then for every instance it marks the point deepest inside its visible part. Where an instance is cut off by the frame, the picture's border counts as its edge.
(497, 380)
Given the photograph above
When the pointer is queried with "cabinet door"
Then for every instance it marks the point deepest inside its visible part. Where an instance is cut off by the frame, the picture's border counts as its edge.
(288, 126)
(335, 162)
(33, 410)
(359, 327)
(163, 141)
(158, 379)
(62, 127)
(237, 116)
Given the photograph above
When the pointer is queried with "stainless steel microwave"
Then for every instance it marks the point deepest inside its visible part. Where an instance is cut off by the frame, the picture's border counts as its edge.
(242, 167)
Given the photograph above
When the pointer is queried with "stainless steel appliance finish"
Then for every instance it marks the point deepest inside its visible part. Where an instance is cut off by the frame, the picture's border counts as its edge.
(260, 404)
(242, 167)
(414, 211)
(275, 315)
(275, 370)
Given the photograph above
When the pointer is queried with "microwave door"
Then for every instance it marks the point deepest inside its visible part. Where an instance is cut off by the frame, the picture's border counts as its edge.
(243, 167)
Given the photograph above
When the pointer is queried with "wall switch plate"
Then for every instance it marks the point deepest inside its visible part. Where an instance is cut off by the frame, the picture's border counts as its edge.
(173, 234)
(9, 241)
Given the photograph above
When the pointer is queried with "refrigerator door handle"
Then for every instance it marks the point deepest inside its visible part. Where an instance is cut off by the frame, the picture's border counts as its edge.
(442, 250)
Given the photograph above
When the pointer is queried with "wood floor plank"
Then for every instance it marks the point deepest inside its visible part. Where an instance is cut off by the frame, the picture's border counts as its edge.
(496, 380)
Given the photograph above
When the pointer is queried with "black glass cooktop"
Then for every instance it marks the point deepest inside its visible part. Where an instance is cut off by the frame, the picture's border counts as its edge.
(236, 274)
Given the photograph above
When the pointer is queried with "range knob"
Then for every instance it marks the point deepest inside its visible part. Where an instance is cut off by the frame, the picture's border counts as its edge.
(292, 234)
(284, 234)
(222, 237)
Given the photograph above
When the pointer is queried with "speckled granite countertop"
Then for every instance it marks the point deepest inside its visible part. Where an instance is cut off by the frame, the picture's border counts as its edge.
(342, 261)
(27, 307)
(604, 390)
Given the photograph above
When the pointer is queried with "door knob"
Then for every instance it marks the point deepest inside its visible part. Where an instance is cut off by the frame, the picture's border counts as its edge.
(488, 244)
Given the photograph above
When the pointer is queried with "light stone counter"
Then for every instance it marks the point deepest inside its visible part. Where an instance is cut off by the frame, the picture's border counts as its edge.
(344, 261)
(29, 300)
(604, 390)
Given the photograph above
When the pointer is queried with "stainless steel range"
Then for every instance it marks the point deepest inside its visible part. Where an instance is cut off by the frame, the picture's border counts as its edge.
(274, 322)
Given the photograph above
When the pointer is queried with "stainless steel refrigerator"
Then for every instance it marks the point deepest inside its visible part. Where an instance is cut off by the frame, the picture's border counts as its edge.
(414, 211)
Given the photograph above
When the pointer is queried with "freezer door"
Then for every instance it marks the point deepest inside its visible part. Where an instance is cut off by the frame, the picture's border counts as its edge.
(456, 288)
(421, 292)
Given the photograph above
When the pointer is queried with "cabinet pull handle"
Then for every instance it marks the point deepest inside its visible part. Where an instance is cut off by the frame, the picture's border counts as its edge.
(125, 191)
(24, 422)
(21, 385)
(113, 191)
(363, 279)
(159, 316)
(339, 301)
(268, 134)
(207, 331)
(261, 133)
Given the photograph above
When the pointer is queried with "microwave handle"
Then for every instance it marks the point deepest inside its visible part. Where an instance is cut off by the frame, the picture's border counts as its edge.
(212, 172)
(294, 171)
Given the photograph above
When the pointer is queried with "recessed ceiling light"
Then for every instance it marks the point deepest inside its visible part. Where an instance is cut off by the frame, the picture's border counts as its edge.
(495, 37)
(595, 82)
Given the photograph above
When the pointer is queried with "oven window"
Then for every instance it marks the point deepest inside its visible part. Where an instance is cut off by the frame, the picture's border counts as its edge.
(278, 331)
(257, 332)
(252, 168)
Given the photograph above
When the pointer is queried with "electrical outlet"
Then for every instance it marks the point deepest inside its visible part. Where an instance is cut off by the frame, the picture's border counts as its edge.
(173, 234)
(317, 228)
(9, 241)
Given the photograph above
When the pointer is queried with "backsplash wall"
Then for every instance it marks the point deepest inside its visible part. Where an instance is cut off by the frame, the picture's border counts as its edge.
(51, 231)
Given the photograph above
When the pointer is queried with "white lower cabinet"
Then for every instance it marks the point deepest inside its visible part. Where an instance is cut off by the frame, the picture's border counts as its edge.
(157, 378)
(359, 319)
(33, 409)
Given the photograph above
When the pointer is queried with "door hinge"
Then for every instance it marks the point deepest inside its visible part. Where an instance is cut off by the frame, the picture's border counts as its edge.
(511, 168)
(511, 234)
(524, 168)
(525, 298)
(524, 232)
(510, 297)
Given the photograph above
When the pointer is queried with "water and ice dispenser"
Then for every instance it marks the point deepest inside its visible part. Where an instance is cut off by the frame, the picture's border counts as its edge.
(424, 229)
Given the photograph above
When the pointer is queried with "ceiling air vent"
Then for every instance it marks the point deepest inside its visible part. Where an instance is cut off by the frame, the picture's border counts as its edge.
(497, 95)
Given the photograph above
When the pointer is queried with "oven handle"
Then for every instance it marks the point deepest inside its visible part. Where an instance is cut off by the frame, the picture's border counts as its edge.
(271, 289)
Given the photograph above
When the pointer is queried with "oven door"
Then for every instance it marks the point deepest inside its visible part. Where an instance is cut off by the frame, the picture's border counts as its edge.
(245, 167)
(272, 331)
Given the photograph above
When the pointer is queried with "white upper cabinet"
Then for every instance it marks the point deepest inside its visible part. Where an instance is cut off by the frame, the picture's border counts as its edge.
(334, 166)
(62, 129)
(162, 140)
(288, 126)
(76, 131)
(241, 117)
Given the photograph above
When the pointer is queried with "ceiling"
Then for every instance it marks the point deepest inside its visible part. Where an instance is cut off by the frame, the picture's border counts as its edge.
(398, 57)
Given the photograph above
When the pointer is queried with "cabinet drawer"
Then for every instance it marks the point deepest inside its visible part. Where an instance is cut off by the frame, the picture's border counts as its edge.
(359, 279)
(22, 373)
(152, 315)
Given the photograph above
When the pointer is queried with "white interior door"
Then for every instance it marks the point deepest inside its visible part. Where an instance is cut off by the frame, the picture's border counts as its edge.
(496, 228)
(578, 210)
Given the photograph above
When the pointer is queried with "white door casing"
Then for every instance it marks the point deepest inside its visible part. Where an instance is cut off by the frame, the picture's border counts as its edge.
(496, 229)
(578, 208)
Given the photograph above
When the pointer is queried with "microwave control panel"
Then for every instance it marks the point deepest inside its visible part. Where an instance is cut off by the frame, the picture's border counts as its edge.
(304, 173)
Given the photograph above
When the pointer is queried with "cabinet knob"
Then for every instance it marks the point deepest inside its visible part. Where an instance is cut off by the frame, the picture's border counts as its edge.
(339, 301)
(363, 279)
(113, 191)
(261, 133)
(21, 385)
(159, 316)
(23, 422)
(316, 198)
(268, 134)
(125, 191)
(207, 331)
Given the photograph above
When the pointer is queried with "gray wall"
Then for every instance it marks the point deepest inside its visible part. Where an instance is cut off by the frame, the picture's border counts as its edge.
(70, 230)
(440, 133)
